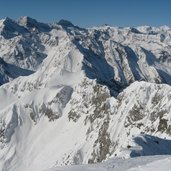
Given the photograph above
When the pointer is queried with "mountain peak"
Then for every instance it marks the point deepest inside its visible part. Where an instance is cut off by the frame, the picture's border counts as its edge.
(8, 21)
(65, 23)
(10, 28)
(26, 21)
(33, 24)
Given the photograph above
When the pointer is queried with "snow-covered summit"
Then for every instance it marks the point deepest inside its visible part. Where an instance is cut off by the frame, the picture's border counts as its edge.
(65, 23)
(33, 25)
(10, 28)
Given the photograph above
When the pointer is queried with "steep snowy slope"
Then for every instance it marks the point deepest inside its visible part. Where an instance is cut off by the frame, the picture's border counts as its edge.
(94, 93)
(9, 72)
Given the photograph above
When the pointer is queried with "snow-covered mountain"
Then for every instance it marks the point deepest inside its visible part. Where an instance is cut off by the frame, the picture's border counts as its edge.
(71, 95)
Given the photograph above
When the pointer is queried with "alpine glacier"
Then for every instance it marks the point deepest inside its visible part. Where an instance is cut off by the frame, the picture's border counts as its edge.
(72, 95)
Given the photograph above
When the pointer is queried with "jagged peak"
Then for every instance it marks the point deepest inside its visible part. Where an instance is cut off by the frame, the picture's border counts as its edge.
(65, 23)
(31, 23)
(25, 20)
(7, 21)
(10, 28)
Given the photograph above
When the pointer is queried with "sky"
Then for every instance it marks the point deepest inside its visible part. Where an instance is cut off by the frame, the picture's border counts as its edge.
(87, 13)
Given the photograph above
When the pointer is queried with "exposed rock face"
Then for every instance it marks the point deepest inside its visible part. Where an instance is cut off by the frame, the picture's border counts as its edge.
(72, 96)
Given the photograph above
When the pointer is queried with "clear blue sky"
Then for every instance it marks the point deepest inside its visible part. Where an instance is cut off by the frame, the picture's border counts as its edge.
(88, 13)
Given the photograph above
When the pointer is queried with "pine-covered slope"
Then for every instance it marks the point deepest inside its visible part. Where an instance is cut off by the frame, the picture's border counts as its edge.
(83, 95)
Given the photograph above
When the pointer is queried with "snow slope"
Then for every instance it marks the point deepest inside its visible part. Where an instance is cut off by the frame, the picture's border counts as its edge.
(155, 163)
(78, 96)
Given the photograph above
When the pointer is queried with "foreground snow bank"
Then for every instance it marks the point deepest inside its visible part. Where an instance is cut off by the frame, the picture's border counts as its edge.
(150, 163)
